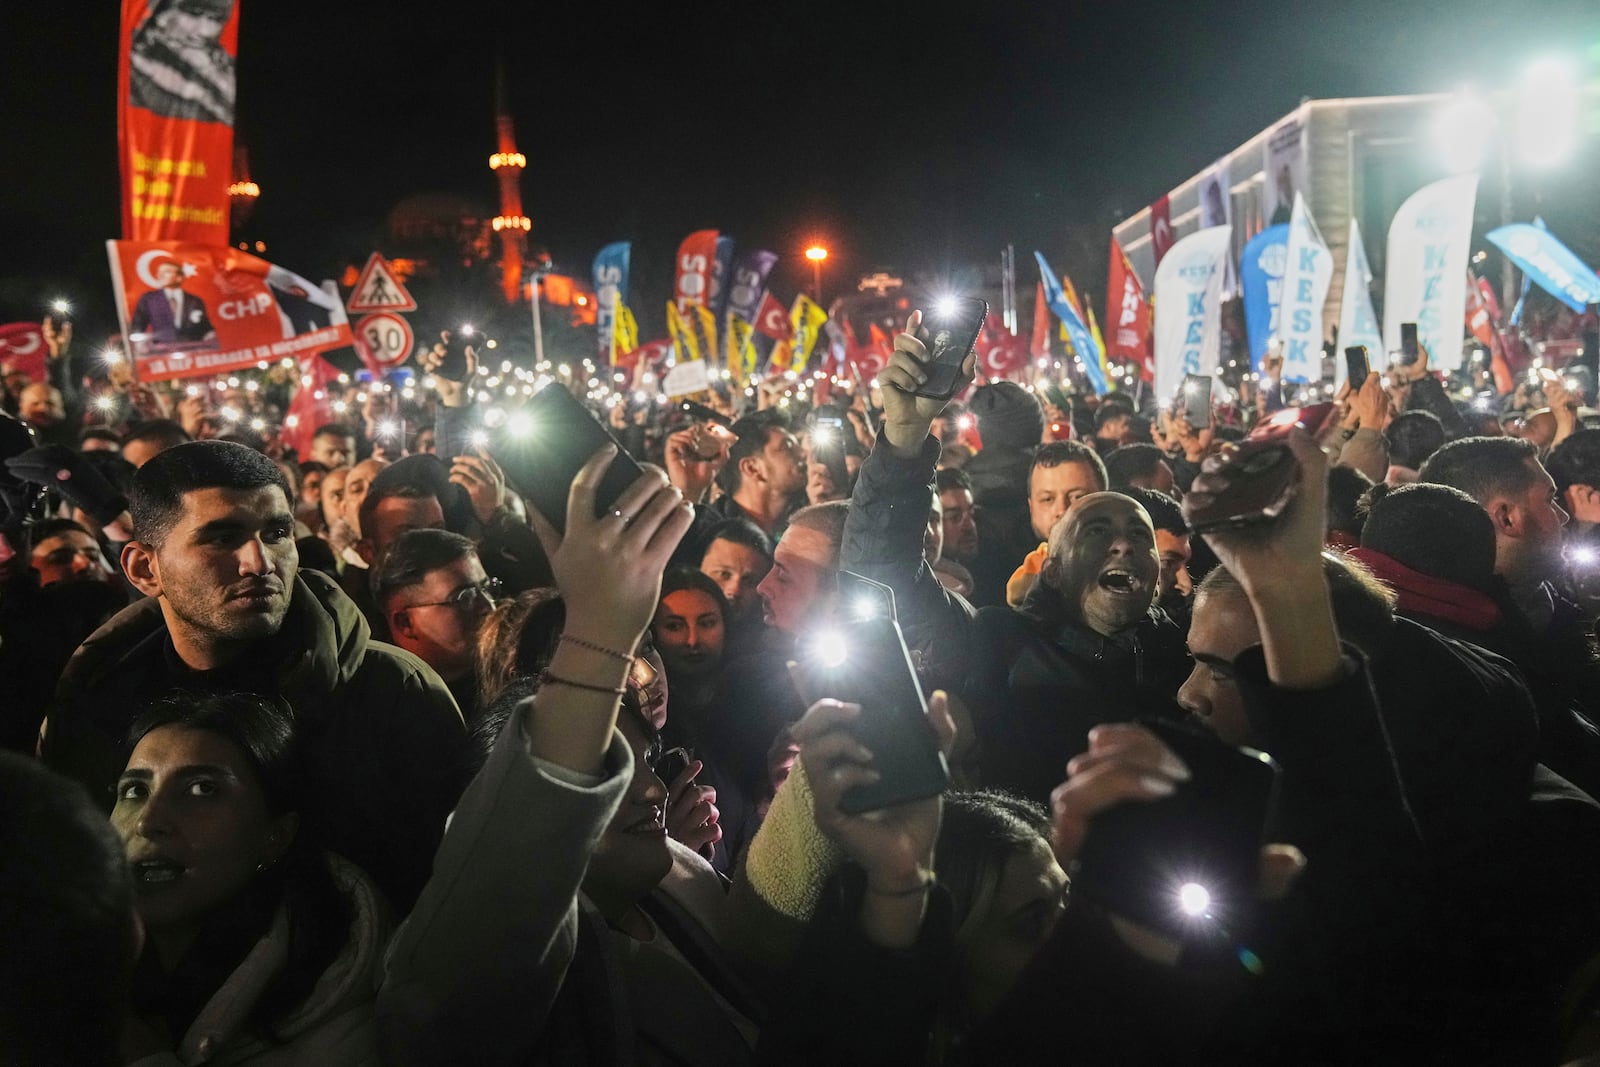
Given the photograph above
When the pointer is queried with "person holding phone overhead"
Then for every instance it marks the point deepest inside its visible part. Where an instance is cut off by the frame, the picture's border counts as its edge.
(1086, 647)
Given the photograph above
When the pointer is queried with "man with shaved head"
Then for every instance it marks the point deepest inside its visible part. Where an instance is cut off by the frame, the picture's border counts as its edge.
(1085, 646)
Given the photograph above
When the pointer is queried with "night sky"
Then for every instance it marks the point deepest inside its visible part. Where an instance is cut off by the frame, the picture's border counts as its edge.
(918, 138)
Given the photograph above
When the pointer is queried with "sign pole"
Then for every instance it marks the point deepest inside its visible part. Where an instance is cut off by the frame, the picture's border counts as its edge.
(538, 331)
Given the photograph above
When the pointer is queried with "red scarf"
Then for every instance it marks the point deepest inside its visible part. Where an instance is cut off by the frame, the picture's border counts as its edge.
(1423, 594)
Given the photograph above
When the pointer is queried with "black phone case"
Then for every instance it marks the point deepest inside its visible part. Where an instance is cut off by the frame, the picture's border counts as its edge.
(1197, 407)
(946, 350)
(1357, 365)
(542, 465)
(1209, 831)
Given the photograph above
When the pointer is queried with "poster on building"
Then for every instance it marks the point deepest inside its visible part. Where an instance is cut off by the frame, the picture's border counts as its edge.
(189, 310)
(1283, 166)
(175, 90)
(1216, 201)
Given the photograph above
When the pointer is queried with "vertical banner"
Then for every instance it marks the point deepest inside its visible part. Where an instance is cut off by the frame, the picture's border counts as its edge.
(705, 326)
(1039, 345)
(1182, 283)
(721, 267)
(1283, 165)
(805, 322)
(693, 278)
(175, 86)
(1128, 312)
(1358, 325)
(741, 348)
(1161, 228)
(1261, 269)
(1429, 246)
(610, 290)
(1216, 201)
(1527, 283)
(626, 329)
(747, 280)
(1077, 330)
(189, 310)
(1308, 271)
(684, 343)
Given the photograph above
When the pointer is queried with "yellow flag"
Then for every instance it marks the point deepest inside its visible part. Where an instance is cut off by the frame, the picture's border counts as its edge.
(707, 324)
(1100, 350)
(683, 338)
(625, 332)
(741, 349)
(806, 318)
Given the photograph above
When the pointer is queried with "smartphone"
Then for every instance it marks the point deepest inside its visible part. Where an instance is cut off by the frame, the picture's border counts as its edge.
(828, 429)
(1052, 392)
(1188, 864)
(1265, 475)
(453, 367)
(863, 660)
(1197, 400)
(543, 447)
(949, 332)
(701, 413)
(672, 763)
(1408, 343)
(1357, 366)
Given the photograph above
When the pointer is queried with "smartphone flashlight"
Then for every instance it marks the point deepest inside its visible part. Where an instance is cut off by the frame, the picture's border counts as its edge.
(466, 329)
(111, 357)
(105, 403)
(60, 306)
(945, 306)
(831, 649)
(520, 424)
(1582, 556)
(479, 438)
(964, 422)
(1194, 899)
(388, 428)
(864, 608)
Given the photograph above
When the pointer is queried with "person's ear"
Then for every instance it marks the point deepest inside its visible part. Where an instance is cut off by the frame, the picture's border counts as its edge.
(1507, 518)
(139, 564)
(750, 467)
(281, 836)
(368, 554)
(400, 623)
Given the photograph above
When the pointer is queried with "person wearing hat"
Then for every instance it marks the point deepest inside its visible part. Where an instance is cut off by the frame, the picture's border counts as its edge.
(169, 315)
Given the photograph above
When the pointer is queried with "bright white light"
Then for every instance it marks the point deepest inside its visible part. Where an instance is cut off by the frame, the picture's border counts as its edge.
(641, 397)
(466, 329)
(1547, 112)
(964, 421)
(258, 425)
(831, 648)
(1462, 131)
(340, 407)
(111, 356)
(479, 438)
(1193, 899)
(824, 435)
(945, 306)
(231, 414)
(388, 428)
(520, 424)
(60, 306)
(505, 366)
(105, 403)
(491, 343)
(1582, 556)
(865, 607)
(291, 421)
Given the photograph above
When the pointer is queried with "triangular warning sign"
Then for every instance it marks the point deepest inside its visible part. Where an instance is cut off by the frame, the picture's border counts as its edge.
(378, 290)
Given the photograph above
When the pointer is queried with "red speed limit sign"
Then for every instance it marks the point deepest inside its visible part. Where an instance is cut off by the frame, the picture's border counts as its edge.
(384, 340)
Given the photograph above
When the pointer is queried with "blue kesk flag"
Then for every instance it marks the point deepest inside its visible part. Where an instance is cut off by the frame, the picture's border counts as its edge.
(1261, 276)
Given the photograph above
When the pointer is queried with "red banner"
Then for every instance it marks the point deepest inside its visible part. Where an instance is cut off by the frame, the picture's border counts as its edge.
(1039, 346)
(772, 319)
(312, 405)
(175, 86)
(1128, 316)
(189, 310)
(696, 256)
(1001, 353)
(1161, 238)
(22, 350)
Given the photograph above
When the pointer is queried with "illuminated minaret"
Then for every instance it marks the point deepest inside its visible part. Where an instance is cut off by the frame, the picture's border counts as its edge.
(511, 223)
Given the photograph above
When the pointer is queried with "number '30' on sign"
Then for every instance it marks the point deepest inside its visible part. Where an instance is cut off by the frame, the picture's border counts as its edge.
(384, 340)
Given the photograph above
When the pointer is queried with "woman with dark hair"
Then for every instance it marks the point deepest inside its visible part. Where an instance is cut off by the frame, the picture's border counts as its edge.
(259, 947)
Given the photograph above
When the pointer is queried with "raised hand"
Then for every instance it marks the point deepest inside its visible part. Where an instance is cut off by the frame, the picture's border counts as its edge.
(453, 392)
(906, 416)
(484, 482)
(694, 456)
(692, 816)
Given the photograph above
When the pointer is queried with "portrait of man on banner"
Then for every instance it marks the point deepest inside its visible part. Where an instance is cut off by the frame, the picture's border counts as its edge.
(178, 67)
(168, 317)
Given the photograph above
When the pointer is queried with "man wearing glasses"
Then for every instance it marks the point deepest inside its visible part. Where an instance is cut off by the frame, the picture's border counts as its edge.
(434, 595)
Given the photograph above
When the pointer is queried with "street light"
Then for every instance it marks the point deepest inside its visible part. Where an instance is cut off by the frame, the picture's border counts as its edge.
(1462, 132)
(1547, 112)
(816, 254)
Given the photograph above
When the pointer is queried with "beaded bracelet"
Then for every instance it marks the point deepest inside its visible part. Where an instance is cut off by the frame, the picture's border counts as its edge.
(626, 657)
(546, 678)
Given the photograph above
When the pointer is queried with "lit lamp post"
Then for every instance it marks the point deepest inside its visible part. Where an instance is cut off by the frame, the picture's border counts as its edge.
(816, 254)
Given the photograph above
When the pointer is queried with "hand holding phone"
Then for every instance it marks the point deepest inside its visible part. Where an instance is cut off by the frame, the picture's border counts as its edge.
(908, 410)
(1253, 484)
(1197, 400)
(1357, 366)
(1409, 349)
(948, 334)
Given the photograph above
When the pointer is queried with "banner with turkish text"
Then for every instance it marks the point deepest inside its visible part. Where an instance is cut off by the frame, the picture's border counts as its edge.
(1186, 299)
(610, 290)
(1308, 271)
(1549, 264)
(693, 277)
(1358, 324)
(1128, 313)
(1429, 246)
(175, 92)
(805, 321)
(747, 282)
(189, 310)
(1077, 330)
(1261, 268)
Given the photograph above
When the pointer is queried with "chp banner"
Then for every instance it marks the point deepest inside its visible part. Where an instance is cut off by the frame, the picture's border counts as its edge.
(189, 310)
(1551, 265)
(610, 291)
(747, 281)
(1261, 268)
(695, 257)
(1307, 273)
(1128, 314)
(1429, 246)
(1089, 359)
(175, 85)
(1182, 284)
(1358, 325)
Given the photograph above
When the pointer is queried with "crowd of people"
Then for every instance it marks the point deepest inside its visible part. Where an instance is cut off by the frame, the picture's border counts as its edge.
(352, 756)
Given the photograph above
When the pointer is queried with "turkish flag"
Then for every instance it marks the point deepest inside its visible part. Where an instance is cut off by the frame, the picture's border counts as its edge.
(312, 405)
(772, 319)
(1000, 352)
(22, 349)
(1039, 346)
(1161, 238)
